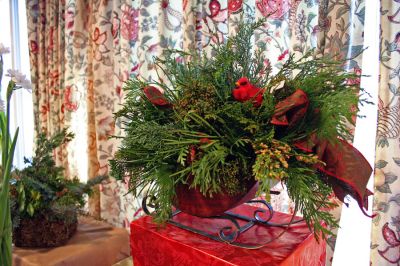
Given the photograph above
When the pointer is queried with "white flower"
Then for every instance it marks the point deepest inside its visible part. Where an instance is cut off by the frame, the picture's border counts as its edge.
(27, 85)
(15, 75)
(19, 79)
(3, 49)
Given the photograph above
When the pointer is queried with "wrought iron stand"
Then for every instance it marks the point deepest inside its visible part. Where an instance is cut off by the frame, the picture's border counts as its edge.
(230, 234)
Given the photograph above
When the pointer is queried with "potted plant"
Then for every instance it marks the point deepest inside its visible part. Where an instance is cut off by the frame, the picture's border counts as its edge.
(44, 203)
(222, 129)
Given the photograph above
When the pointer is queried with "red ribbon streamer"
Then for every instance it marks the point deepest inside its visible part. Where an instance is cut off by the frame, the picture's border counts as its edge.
(345, 169)
(290, 110)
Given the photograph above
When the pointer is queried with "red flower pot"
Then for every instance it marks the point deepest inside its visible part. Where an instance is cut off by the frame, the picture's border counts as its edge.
(192, 201)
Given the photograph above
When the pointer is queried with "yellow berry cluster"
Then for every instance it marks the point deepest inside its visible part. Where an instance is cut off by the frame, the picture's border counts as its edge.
(273, 158)
(278, 151)
(308, 159)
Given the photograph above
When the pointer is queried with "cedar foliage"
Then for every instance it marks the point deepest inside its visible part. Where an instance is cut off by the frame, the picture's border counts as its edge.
(241, 141)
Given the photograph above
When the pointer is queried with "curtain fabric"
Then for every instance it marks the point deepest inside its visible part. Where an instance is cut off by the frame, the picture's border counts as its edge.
(83, 50)
(80, 54)
(47, 63)
(386, 225)
(340, 33)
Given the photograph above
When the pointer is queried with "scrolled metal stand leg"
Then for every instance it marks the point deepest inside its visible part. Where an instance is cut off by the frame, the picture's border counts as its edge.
(148, 201)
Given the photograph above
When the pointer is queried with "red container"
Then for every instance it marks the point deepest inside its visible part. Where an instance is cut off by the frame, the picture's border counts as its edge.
(192, 201)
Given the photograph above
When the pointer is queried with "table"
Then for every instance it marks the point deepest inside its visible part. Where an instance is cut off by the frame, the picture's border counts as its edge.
(95, 243)
(152, 245)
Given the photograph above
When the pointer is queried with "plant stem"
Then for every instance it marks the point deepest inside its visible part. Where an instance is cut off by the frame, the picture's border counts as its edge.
(6, 239)
(7, 159)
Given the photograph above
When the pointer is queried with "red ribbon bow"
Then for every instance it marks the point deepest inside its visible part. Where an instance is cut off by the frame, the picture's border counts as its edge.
(290, 110)
(345, 169)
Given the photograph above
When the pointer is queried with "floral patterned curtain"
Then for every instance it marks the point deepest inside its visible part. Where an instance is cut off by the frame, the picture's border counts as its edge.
(334, 27)
(386, 225)
(83, 50)
(80, 54)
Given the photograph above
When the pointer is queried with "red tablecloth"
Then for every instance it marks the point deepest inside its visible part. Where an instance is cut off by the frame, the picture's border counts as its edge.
(171, 245)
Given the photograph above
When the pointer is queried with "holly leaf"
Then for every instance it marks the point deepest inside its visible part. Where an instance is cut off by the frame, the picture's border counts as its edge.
(384, 188)
(397, 160)
(381, 164)
(390, 178)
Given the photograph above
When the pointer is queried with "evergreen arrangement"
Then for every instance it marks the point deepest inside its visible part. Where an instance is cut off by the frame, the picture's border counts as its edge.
(218, 120)
(42, 191)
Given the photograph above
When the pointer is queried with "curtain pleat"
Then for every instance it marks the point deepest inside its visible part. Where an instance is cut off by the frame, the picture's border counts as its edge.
(386, 225)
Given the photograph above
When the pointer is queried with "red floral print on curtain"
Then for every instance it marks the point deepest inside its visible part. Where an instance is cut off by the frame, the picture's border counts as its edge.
(81, 54)
(385, 246)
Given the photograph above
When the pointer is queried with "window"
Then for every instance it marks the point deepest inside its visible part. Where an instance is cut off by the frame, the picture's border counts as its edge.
(353, 241)
(14, 34)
